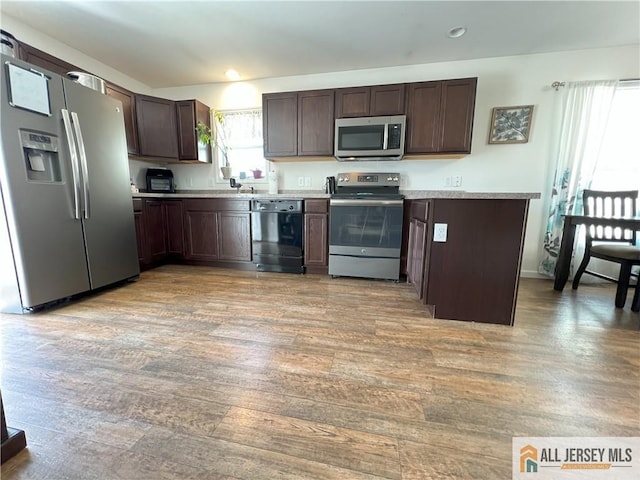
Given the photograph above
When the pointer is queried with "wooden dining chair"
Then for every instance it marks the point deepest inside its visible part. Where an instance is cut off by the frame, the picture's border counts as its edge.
(611, 244)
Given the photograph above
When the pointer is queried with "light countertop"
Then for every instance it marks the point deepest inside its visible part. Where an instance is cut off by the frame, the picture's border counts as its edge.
(302, 194)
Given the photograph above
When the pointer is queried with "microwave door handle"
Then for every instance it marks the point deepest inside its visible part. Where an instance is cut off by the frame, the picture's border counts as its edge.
(385, 139)
(83, 163)
(75, 173)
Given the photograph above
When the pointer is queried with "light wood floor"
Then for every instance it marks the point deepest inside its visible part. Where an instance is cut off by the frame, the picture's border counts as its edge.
(202, 373)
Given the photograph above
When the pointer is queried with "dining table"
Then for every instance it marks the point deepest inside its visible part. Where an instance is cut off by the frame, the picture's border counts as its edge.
(571, 222)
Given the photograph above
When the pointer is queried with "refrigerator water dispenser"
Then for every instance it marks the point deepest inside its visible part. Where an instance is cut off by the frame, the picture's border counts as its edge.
(41, 157)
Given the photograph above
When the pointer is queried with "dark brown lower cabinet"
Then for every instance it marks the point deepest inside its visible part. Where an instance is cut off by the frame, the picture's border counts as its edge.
(201, 232)
(418, 246)
(416, 255)
(234, 236)
(474, 274)
(156, 239)
(174, 230)
(217, 230)
(316, 236)
(141, 232)
(163, 236)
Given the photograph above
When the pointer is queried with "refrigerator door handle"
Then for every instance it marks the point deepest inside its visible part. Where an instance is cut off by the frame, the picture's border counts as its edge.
(75, 171)
(83, 163)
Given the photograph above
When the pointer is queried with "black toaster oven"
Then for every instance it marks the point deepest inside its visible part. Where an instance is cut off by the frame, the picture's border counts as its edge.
(160, 180)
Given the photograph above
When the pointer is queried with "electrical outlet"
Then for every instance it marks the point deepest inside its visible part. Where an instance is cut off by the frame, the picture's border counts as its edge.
(301, 181)
(190, 182)
(439, 232)
(447, 181)
(307, 181)
(456, 181)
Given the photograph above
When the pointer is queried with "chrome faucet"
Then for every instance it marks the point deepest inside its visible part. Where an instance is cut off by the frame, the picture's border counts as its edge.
(237, 186)
(234, 184)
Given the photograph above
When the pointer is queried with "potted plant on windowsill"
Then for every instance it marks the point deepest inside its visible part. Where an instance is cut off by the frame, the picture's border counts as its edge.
(216, 139)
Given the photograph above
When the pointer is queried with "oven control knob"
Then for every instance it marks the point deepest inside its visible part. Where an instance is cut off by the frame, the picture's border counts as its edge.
(290, 207)
(364, 250)
(389, 179)
(395, 179)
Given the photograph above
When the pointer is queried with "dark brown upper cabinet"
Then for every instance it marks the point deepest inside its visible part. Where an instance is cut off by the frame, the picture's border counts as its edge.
(155, 127)
(315, 123)
(458, 106)
(298, 123)
(423, 116)
(157, 131)
(440, 116)
(370, 101)
(128, 100)
(353, 102)
(42, 59)
(280, 124)
(188, 114)
(53, 64)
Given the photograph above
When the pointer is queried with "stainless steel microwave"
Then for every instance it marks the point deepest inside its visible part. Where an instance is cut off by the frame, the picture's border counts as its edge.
(370, 138)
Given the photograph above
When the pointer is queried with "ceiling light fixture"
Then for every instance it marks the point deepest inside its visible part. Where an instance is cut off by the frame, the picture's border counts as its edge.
(231, 74)
(456, 32)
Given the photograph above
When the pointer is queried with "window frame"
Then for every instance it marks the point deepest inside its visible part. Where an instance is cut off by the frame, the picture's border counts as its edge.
(217, 154)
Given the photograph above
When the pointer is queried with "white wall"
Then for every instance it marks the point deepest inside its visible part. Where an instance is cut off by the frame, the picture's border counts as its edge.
(505, 81)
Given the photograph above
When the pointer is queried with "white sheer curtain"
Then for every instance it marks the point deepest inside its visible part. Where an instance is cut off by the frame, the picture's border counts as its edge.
(584, 108)
(242, 133)
(242, 128)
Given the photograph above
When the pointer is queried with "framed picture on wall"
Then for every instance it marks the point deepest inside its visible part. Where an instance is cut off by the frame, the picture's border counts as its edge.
(510, 124)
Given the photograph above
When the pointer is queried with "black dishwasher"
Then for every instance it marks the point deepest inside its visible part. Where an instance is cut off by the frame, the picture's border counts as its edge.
(276, 237)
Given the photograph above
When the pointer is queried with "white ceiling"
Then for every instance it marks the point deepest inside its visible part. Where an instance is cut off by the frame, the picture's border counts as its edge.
(169, 43)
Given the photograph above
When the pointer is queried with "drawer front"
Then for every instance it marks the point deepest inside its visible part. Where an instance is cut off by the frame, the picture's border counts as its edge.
(419, 210)
(316, 206)
(216, 204)
(137, 205)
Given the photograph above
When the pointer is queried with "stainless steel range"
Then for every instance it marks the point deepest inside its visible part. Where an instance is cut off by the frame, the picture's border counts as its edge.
(365, 226)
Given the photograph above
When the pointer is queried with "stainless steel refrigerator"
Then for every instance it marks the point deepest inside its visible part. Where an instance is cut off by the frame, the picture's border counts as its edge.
(67, 223)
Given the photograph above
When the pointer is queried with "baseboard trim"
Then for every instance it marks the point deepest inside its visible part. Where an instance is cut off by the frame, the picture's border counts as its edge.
(533, 274)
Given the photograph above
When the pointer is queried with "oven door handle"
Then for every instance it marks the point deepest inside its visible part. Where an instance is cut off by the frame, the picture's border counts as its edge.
(344, 202)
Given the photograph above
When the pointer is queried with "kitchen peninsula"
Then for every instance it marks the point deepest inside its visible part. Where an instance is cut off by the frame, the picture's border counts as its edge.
(472, 275)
